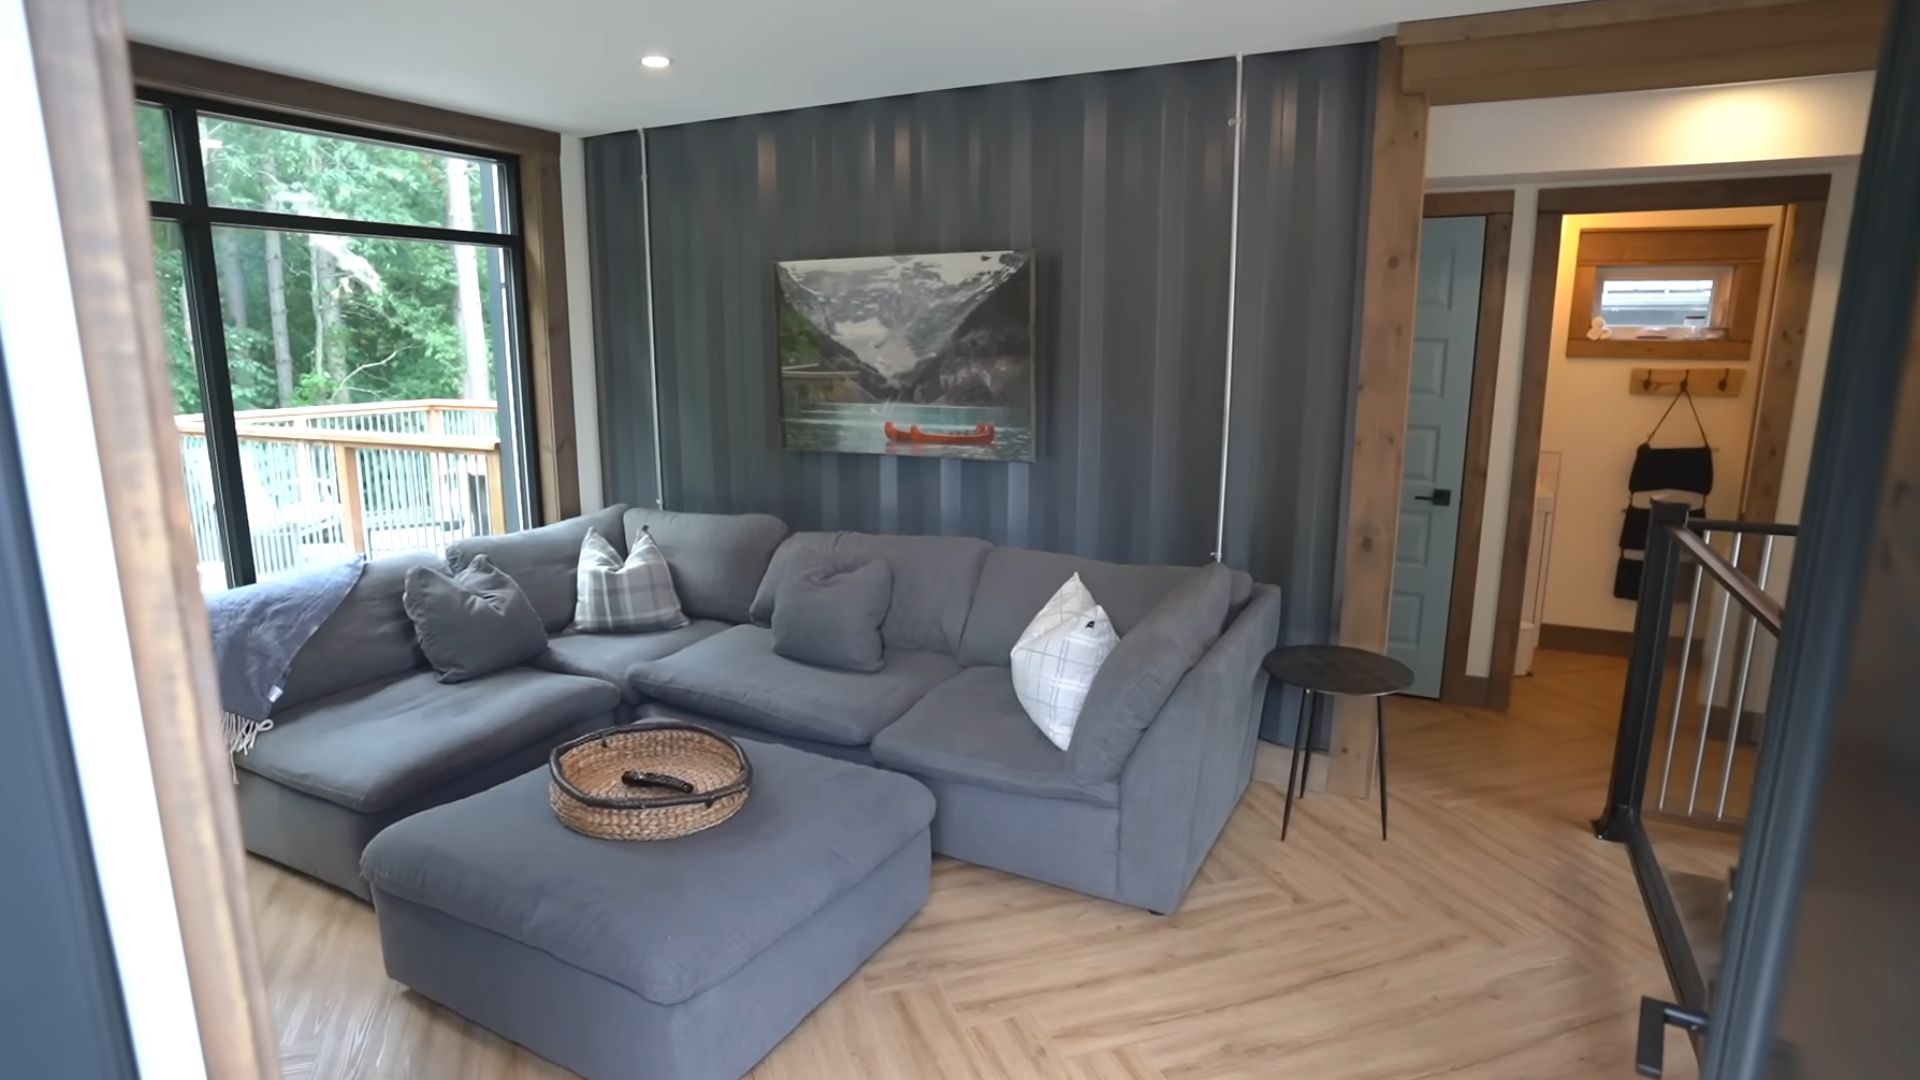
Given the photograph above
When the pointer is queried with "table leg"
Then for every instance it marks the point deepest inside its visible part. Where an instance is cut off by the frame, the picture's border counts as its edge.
(1380, 745)
(1302, 732)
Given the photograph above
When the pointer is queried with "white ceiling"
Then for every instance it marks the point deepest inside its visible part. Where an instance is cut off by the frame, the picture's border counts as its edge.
(572, 65)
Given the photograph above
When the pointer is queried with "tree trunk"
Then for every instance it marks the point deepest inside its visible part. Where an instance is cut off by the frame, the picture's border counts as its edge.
(327, 358)
(476, 386)
(277, 314)
(233, 277)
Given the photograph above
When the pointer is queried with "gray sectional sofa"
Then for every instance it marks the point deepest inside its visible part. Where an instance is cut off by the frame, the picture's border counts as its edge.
(365, 735)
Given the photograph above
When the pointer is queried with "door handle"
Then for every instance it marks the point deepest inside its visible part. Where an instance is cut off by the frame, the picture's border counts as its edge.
(1440, 497)
(1650, 1049)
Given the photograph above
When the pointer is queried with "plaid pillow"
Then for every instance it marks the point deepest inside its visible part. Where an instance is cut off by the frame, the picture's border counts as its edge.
(612, 597)
(1057, 656)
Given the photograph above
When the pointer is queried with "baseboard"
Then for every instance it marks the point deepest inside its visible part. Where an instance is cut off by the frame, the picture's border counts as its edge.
(1586, 639)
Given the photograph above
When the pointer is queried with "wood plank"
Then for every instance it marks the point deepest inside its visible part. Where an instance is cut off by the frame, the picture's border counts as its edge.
(1491, 925)
(1710, 244)
(80, 56)
(200, 76)
(1668, 351)
(1725, 44)
(353, 499)
(1526, 455)
(1786, 349)
(557, 453)
(1455, 684)
(1538, 20)
(1468, 203)
(1685, 195)
(1392, 261)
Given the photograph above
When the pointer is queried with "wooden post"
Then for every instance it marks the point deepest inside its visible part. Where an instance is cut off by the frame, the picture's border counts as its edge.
(436, 420)
(346, 470)
(1380, 411)
(496, 495)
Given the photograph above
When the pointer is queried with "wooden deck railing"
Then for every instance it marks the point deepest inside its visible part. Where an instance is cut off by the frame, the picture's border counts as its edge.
(326, 480)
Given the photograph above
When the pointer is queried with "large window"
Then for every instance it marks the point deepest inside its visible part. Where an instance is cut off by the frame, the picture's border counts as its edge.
(344, 324)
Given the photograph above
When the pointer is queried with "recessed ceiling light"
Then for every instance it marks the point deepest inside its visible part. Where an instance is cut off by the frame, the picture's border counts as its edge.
(655, 61)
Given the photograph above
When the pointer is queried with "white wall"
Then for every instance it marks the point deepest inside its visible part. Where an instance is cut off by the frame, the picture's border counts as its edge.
(1595, 423)
(1814, 125)
(586, 404)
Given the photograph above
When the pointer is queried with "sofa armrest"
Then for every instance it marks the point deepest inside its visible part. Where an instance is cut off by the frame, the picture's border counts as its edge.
(1188, 773)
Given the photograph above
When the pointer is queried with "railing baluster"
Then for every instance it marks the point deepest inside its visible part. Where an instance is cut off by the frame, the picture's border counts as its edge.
(1713, 684)
(1680, 683)
(1740, 686)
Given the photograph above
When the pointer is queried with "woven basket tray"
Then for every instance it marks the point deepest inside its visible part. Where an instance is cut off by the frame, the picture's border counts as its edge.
(648, 781)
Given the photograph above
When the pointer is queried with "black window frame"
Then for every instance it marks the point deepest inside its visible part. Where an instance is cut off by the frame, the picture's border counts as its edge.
(196, 217)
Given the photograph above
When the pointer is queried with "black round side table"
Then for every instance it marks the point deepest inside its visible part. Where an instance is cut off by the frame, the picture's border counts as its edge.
(1320, 670)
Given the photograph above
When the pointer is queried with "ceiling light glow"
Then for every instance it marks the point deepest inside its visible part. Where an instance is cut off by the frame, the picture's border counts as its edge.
(655, 61)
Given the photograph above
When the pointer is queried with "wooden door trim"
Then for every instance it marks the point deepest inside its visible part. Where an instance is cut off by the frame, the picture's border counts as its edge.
(1385, 363)
(1456, 686)
(1555, 204)
(1786, 348)
(81, 64)
(555, 458)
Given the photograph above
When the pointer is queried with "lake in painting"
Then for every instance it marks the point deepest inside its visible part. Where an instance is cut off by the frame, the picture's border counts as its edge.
(918, 355)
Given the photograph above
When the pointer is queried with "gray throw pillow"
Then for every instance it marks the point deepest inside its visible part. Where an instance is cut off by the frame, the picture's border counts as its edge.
(1138, 677)
(474, 622)
(829, 614)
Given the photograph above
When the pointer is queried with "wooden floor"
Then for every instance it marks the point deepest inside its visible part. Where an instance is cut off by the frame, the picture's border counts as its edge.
(1492, 938)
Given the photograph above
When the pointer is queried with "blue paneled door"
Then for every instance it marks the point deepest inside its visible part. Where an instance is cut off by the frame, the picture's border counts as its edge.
(1444, 329)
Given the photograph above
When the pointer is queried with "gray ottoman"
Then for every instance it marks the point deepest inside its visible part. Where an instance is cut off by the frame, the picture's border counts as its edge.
(686, 959)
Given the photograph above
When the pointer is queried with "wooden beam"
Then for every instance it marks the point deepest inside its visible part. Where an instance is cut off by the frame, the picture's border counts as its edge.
(1608, 46)
(1392, 261)
(199, 76)
(1468, 203)
(1456, 686)
(1786, 347)
(80, 57)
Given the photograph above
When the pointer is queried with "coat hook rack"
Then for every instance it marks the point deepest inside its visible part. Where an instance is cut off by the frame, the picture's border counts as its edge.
(1700, 382)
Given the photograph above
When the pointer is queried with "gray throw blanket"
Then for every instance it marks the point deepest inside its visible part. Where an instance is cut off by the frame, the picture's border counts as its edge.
(257, 632)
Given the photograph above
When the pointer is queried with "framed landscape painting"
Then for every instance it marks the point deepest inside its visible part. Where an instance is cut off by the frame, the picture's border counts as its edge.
(924, 355)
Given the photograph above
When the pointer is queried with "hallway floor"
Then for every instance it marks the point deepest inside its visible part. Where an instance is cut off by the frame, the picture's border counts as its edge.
(1493, 939)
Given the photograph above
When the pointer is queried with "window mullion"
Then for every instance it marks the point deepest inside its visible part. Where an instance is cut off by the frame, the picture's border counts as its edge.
(210, 350)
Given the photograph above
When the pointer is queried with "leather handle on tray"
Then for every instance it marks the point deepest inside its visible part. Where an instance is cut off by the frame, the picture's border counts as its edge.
(636, 778)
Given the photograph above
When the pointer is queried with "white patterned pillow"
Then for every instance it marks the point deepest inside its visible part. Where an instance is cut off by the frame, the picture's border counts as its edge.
(614, 597)
(1057, 656)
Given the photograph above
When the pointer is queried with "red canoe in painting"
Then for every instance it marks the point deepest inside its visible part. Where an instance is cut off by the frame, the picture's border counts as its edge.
(981, 433)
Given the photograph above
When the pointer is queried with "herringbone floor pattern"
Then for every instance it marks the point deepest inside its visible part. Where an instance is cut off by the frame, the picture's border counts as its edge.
(1492, 939)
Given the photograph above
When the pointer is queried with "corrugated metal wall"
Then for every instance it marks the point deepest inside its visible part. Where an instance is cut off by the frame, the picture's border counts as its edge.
(1121, 182)
(617, 264)
(1303, 191)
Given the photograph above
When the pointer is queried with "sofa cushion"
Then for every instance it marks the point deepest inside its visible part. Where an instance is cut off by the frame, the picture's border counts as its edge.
(933, 582)
(544, 560)
(1141, 673)
(735, 675)
(368, 637)
(829, 614)
(666, 920)
(972, 730)
(630, 596)
(473, 622)
(371, 747)
(717, 559)
(1015, 582)
(609, 657)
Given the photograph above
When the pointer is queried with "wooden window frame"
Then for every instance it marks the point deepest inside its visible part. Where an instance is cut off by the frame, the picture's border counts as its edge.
(1740, 249)
(555, 456)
